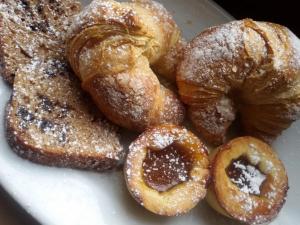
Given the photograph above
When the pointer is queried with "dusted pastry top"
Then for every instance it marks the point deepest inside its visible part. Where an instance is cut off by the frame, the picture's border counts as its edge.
(243, 67)
(111, 47)
(167, 170)
(249, 182)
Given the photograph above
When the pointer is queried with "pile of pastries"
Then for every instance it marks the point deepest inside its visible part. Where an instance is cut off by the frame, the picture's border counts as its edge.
(243, 70)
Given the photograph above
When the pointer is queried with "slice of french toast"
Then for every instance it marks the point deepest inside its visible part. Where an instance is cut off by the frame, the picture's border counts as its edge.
(31, 28)
(49, 120)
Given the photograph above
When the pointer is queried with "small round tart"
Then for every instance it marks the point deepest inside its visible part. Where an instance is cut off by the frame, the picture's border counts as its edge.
(249, 182)
(167, 170)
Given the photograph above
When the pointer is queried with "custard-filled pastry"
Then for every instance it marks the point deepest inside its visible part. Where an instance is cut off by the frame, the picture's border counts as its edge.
(111, 47)
(245, 67)
(167, 170)
(249, 183)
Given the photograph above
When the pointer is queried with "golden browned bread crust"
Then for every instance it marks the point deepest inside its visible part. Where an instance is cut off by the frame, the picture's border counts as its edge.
(49, 119)
(55, 124)
(249, 198)
(181, 196)
(60, 155)
(246, 67)
(111, 47)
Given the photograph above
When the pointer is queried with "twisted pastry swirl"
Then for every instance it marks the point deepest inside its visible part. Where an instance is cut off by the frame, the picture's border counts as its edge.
(111, 46)
(244, 66)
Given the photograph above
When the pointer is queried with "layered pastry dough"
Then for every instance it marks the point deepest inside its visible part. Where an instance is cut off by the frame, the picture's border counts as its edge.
(249, 182)
(111, 48)
(245, 67)
(167, 170)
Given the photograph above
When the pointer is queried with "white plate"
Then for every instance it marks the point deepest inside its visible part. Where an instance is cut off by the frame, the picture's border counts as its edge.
(72, 197)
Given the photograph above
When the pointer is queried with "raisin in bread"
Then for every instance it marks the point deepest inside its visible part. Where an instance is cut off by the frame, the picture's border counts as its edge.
(49, 120)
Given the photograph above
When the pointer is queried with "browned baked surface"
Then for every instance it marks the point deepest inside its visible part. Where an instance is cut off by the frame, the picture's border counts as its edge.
(111, 48)
(49, 120)
(249, 182)
(246, 67)
(167, 170)
(167, 65)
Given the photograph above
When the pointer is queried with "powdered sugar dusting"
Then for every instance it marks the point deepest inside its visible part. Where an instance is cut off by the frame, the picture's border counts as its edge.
(102, 11)
(233, 61)
(209, 54)
(37, 26)
(48, 109)
(295, 44)
(162, 141)
(166, 156)
(160, 14)
(58, 115)
(249, 180)
(214, 118)
(224, 108)
(131, 100)
(255, 184)
(113, 66)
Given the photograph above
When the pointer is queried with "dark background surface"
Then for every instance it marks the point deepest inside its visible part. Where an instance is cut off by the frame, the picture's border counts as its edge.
(283, 12)
(11, 213)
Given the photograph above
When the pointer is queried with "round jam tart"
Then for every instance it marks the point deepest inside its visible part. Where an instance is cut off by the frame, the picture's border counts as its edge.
(249, 182)
(167, 170)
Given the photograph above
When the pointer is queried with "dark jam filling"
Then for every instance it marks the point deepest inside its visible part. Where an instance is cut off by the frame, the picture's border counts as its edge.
(166, 168)
(247, 177)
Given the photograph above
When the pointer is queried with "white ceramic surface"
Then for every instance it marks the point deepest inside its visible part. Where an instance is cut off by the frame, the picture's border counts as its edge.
(72, 197)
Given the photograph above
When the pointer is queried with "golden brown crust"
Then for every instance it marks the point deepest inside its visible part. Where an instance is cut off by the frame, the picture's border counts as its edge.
(183, 196)
(241, 204)
(55, 124)
(49, 119)
(167, 65)
(111, 47)
(247, 67)
(55, 157)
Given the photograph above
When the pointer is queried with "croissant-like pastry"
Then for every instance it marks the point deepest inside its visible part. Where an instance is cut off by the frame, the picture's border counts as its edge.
(246, 67)
(167, 170)
(248, 181)
(111, 46)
